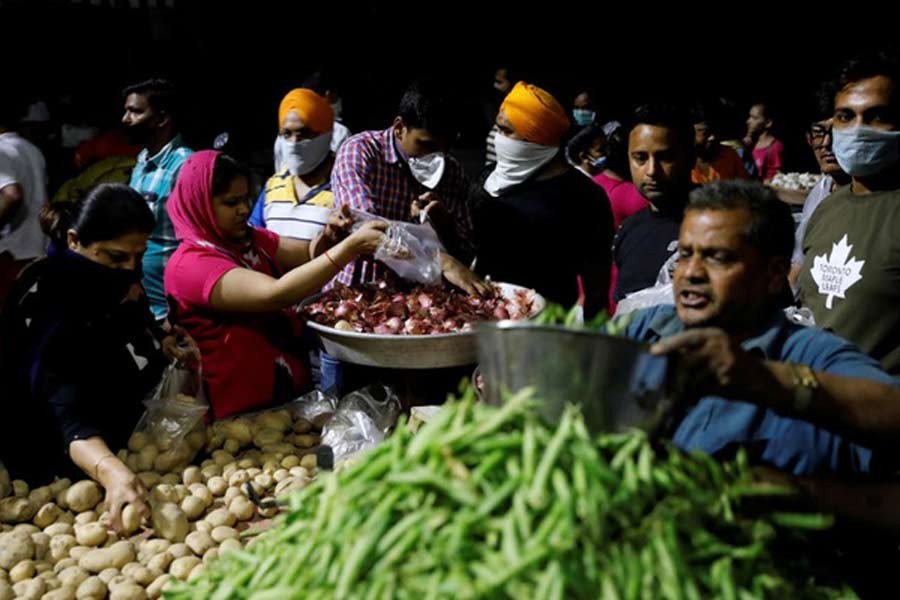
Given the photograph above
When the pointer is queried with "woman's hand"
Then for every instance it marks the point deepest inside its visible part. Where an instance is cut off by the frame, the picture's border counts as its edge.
(122, 487)
(463, 278)
(338, 226)
(181, 348)
(366, 239)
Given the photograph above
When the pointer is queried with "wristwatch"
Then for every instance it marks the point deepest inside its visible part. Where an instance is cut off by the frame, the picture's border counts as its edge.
(805, 386)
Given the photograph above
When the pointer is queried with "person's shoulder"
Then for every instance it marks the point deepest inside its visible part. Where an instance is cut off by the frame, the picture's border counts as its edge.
(648, 324)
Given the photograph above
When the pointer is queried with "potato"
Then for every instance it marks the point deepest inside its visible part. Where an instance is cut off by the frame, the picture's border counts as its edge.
(22, 571)
(238, 478)
(222, 458)
(60, 545)
(41, 545)
(195, 440)
(164, 493)
(170, 479)
(193, 507)
(6, 591)
(15, 547)
(180, 551)
(116, 556)
(302, 426)
(138, 441)
(17, 510)
(242, 508)
(42, 495)
(20, 488)
(270, 466)
(232, 493)
(229, 544)
(127, 591)
(182, 567)
(170, 459)
(27, 528)
(62, 593)
(140, 574)
(214, 440)
(131, 520)
(30, 589)
(91, 588)
(217, 485)
(192, 475)
(196, 571)
(155, 589)
(47, 515)
(305, 440)
(170, 522)
(84, 496)
(107, 575)
(78, 551)
(88, 516)
(42, 566)
(203, 526)
(290, 484)
(223, 532)
(201, 491)
(289, 462)
(264, 481)
(280, 475)
(153, 547)
(66, 517)
(210, 472)
(220, 516)
(309, 462)
(91, 534)
(200, 542)
(73, 576)
(264, 437)
(238, 430)
(181, 492)
(160, 562)
(64, 564)
(270, 512)
(60, 499)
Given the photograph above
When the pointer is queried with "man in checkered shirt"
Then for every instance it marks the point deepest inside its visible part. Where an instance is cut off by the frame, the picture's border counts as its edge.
(404, 171)
(151, 110)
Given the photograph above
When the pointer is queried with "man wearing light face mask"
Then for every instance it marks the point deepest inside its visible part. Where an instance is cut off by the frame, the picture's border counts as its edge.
(850, 276)
(583, 112)
(539, 222)
(404, 173)
(297, 200)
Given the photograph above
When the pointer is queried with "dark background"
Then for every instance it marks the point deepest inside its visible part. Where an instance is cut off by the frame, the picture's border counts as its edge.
(234, 61)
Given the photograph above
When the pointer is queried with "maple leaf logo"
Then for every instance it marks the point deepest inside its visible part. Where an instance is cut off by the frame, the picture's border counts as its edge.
(836, 273)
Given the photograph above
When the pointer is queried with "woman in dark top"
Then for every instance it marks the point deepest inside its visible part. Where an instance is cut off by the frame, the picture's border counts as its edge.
(80, 348)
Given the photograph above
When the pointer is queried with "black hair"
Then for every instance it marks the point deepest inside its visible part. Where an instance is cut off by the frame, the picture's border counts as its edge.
(161, 94)
(582, 141)
(428, 105)
(108, 211)
(771, 227)
(670, 116)
(226, 170)
(871, 64)
(822, 104)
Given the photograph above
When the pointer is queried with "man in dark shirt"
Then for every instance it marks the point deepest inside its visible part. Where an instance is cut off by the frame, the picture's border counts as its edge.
(661, 156)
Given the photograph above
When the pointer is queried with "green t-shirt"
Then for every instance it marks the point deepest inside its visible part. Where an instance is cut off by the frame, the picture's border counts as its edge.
(851, 271)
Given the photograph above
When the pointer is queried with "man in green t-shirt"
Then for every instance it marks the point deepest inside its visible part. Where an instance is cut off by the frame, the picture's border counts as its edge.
(850, 277)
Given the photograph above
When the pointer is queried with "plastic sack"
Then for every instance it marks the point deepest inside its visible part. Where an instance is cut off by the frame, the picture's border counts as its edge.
(660, 293)
(172, 429)
(317, 407)
(410, 250)
(363, 419)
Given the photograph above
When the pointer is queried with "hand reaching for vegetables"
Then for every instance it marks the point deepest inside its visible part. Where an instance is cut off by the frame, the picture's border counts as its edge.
(122, 488)
(338, 225)
(181, 348)
(366, 239)
(457, 274)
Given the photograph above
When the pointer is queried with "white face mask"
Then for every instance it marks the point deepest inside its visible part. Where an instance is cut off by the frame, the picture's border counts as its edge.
(304, 156)
(427, 169)
(865, 151)
(517, 160)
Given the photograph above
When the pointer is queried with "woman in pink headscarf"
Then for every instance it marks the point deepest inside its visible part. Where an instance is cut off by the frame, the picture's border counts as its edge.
(233, 286)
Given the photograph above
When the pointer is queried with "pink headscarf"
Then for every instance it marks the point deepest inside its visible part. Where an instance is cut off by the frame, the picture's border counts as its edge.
(190, 205)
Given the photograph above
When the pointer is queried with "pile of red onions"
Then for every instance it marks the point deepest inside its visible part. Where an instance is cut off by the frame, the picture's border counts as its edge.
(385, 308)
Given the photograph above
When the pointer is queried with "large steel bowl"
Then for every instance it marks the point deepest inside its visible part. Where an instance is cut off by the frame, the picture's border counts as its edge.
(406, 351)
(615, 380)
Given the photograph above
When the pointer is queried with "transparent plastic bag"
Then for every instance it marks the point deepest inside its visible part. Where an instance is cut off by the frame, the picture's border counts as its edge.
(410, 250)
(172, 430)
(660, 293)
(363, 419)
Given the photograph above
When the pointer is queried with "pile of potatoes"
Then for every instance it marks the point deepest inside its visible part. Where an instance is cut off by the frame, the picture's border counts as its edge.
(54, 545)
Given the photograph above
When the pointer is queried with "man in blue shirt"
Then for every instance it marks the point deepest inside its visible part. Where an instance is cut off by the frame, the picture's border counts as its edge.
(800, 399)
(151, 110)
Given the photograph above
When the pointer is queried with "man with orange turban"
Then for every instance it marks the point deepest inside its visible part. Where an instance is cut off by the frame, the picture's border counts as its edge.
(538, 222)
(297, 199)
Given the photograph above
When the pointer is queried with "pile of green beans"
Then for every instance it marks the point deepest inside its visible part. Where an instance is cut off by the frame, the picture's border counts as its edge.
(487, 502)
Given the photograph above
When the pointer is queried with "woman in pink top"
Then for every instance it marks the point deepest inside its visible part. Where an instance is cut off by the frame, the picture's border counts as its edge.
(767, 149)
(234, 287)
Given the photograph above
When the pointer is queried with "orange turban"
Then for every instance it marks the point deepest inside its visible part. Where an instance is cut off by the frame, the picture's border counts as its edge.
(535, 114)
(313, 109)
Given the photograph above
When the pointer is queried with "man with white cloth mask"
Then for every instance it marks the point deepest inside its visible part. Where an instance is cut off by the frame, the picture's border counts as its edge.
(297, 199)
(538, 222)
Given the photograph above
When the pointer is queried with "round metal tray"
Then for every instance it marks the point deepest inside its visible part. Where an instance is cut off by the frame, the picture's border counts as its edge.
(407, 351)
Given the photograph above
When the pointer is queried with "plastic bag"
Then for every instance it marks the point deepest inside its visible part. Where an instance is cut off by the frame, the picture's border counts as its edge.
(317, 407)
(172, 430)
(410, 250)
(363, 419)
(660, 293)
